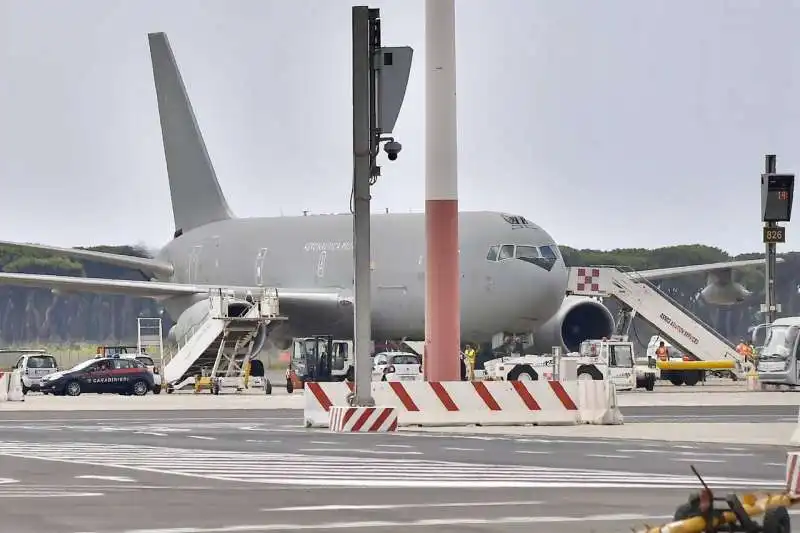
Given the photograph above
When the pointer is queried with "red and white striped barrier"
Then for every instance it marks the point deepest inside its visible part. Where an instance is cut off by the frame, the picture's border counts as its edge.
(363, 419)
(793, 473)
(456, 403)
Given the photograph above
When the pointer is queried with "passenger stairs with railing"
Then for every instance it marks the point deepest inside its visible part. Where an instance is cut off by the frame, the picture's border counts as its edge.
(638, 296)
(220, 347)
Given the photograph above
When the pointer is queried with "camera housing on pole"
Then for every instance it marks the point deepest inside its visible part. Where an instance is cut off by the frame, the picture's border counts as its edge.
(777, 195)
(380, 77)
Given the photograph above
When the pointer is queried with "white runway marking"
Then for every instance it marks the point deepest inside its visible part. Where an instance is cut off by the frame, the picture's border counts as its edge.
(7, 480)
(535, 452)
(602, 456)
(295, 469)
(200, 437)
(121, 479)
(399, 525)
(464, 449)
(398, 506)
(379, 452)
(687, 460)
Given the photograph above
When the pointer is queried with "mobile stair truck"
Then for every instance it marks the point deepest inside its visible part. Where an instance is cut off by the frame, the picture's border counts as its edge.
(216, 353)
(703, 348)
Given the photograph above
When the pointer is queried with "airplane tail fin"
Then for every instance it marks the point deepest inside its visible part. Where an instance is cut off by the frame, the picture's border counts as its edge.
(196, 195)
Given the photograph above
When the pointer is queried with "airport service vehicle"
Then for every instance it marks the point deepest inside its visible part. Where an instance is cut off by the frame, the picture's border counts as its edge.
(104, 375)
(597, 359)
(319, 358)
(33, 366)
(396, 366)
(778, 360)
(105, 350)
(698, 347)
(690, 370)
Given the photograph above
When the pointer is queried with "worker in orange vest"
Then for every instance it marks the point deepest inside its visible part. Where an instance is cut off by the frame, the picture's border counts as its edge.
(661, 351)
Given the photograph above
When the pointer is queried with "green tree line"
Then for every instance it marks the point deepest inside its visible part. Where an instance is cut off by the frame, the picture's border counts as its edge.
(43, 316)
(40, 315)
(733, 321)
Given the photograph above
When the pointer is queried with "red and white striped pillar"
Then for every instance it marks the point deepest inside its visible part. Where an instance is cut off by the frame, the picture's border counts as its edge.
(442, 272)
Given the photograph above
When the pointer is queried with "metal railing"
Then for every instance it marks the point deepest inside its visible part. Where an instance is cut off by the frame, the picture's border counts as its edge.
(638, 278)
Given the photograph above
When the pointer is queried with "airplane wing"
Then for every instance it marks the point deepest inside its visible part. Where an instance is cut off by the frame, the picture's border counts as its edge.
(674, 272)
(159, 290)
(151, 267)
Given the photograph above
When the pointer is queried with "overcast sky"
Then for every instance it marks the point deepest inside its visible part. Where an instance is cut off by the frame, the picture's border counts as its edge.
(619, 123)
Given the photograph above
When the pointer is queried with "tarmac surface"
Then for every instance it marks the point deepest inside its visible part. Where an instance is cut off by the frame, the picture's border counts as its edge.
(259, 470)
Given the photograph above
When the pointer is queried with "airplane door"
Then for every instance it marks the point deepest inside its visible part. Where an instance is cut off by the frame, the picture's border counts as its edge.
(260, 260)
(213, 274)
(321, 264)
(194, 263)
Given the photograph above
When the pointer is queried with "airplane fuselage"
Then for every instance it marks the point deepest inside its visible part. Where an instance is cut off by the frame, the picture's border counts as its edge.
(316, 252)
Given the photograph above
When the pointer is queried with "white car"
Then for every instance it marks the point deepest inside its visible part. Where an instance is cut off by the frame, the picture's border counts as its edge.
(396, 366)
(33, 367)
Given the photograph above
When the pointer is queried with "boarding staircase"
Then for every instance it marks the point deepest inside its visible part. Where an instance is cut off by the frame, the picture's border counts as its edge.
(639, 297)
(221, 345)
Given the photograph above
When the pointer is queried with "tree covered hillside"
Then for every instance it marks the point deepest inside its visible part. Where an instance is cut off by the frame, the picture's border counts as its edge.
(28, 315)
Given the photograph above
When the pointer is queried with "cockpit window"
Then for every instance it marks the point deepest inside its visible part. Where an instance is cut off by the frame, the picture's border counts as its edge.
(529, 252)
(506, 252)
(548, 252)
(492, 255)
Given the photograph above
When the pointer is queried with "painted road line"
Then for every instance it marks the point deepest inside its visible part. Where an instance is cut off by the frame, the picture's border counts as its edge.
(122, 479)
(399, 506)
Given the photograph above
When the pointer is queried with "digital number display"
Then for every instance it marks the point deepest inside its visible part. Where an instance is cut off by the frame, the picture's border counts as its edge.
(774, 235)
(778, 199)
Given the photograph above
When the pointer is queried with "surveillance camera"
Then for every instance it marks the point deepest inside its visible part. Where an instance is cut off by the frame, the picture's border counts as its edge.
(392, 149)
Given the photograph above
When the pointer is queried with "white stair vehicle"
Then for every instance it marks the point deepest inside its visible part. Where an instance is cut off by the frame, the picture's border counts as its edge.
(219, 348)
(639, 297)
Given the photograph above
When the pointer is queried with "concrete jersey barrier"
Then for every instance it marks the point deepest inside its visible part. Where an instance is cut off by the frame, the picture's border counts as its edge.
(11, 387)
(458, 403)
(363, 419)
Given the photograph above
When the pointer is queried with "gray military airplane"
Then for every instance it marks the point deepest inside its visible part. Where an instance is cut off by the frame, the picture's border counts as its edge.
(513, 277)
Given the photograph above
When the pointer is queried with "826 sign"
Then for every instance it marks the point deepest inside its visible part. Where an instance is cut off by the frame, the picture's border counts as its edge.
(774, 235)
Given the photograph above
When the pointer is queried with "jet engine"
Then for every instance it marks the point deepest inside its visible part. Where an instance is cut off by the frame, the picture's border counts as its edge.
(721, 290)
(580, 318)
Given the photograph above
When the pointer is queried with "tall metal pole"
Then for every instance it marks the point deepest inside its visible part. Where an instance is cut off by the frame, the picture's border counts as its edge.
(364, 22)
(769, 288)
(442, 269)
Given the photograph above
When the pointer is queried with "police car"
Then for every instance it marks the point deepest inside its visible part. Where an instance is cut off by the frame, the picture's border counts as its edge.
(100, 375)
(148, 363)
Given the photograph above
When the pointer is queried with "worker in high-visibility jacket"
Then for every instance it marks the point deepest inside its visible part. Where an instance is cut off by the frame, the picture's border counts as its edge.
(661, 351)
(470, 354)
(745, 350)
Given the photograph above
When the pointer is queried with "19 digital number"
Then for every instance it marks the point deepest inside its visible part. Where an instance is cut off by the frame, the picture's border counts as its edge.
(774, 235)
(783, 196)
